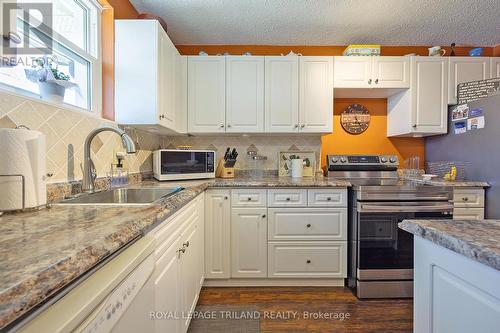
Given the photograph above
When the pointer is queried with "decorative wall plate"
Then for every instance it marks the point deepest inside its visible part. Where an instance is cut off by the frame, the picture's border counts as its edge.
(355, 119)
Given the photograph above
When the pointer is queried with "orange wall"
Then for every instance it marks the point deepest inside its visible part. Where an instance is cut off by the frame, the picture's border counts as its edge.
(374, 140)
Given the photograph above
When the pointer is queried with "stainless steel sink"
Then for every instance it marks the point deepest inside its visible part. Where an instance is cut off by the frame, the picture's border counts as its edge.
(123, 196)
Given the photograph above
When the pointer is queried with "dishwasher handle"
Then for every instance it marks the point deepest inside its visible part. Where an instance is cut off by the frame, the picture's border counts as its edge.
(410, 207)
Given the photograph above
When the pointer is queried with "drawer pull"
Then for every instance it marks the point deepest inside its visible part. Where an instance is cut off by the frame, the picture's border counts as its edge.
(288, 199)
(308, 261)
(249, 199)
(263, 216)
(329, 199)
(225, 198)
(465, 199)
(186, 244)
(308, 225)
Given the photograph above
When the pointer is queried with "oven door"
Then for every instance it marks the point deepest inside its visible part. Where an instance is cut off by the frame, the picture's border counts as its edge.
(382, 245)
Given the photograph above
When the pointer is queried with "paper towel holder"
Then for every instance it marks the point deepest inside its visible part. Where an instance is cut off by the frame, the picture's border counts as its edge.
(24, 187)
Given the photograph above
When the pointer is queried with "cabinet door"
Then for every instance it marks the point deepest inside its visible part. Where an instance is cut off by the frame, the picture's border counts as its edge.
(429, 95)
(244, 94)
(206, 94)
(282, 94)
(391, 72)
(167, 280)
(189, 272)
(249, 242)
(353, 72)
(166, 80)
(495, 67)
(316, 94)
(465, 69)
(180, 94)
(217, 234)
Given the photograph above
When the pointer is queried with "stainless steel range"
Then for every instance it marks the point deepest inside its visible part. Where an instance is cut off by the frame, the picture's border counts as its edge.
(380, 254)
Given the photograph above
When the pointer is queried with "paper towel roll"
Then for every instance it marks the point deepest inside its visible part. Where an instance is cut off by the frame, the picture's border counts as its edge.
(22, 152)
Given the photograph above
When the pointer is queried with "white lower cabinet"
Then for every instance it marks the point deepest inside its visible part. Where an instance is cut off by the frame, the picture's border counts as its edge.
(248, 242)
(178, 272)
(307, 224)
(311, 259)
(217, 234)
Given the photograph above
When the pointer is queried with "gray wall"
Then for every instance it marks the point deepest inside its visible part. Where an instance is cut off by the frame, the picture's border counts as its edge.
(481, 148)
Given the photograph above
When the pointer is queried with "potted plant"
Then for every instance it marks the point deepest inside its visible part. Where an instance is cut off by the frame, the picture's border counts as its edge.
(51, 81)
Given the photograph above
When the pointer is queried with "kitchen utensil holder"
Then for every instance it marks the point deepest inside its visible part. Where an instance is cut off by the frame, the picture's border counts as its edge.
(23, 181)
(224, 172)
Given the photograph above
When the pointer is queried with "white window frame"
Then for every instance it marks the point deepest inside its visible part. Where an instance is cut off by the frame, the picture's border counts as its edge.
(93, 56)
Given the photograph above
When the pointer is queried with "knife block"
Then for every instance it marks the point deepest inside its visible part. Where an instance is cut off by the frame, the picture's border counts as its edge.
(224, 172)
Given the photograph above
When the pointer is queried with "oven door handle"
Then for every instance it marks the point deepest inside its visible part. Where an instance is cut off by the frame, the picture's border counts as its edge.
(367, 207)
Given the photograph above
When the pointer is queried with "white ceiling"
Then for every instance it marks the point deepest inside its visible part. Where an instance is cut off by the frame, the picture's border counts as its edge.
(329, 22)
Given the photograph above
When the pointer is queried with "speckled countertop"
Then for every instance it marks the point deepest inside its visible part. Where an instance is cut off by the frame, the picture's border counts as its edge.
(275, 181)
(442, 182)
(477, 240)
(43, 251)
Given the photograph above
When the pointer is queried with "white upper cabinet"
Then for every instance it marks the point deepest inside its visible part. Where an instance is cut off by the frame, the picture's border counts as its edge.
(282, 94)
(244, 94)
(316, 94)
(353, 72)
(145, 42)
(372, 72)
(391, 72)
(495, 67)
(421, 110)
(465, 69)
(207, 94)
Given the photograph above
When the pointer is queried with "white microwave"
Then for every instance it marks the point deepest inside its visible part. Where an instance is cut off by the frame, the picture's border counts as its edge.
(178, 164)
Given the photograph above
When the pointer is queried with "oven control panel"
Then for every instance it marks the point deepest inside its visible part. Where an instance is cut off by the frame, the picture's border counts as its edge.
(362, 162)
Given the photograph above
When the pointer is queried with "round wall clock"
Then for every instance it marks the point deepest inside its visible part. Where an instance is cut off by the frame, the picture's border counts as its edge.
(355, 119)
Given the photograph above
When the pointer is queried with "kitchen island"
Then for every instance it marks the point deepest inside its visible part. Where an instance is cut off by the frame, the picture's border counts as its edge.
(456, 274)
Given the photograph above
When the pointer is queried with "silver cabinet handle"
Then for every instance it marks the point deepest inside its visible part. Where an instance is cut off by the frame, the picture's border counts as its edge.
(414, 126)
(288, 199)
(376, 81)
(308, 261)
(302, 126)
(162, 116)
(296, 126)
(263, 216)
(183, 250)
(308, 225)
(186, 244)
(221, 125)
(328, 199)
(228, 125)
(465, 199)
(370, 81)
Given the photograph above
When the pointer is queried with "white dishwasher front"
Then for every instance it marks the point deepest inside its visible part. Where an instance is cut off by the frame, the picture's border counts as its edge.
(118, 297)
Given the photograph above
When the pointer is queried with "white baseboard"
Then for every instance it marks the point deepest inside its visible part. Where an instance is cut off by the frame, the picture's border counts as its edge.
(274, 283)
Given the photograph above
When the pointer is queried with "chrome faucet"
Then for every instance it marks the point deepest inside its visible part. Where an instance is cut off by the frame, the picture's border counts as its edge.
(89, 171)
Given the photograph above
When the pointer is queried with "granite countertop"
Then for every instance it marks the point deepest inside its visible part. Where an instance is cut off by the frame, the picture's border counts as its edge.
(452, 183)
(43, 251)
(275, 181)
(477, 240)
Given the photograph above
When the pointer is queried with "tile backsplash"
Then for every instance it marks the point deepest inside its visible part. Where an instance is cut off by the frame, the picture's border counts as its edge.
(269, 146)
(65, 132)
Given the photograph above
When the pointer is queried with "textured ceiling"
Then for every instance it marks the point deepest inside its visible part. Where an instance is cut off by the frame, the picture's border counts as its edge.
(329, 22)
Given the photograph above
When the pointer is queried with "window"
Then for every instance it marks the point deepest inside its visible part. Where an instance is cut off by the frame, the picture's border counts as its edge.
(53, 52)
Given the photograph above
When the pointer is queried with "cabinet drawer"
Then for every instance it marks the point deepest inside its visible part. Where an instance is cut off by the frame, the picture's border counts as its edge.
(468, 213)
(248, 198)
(468, 198)
(287, 198)
(307, 224)
(307, 259)
(327, 198)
